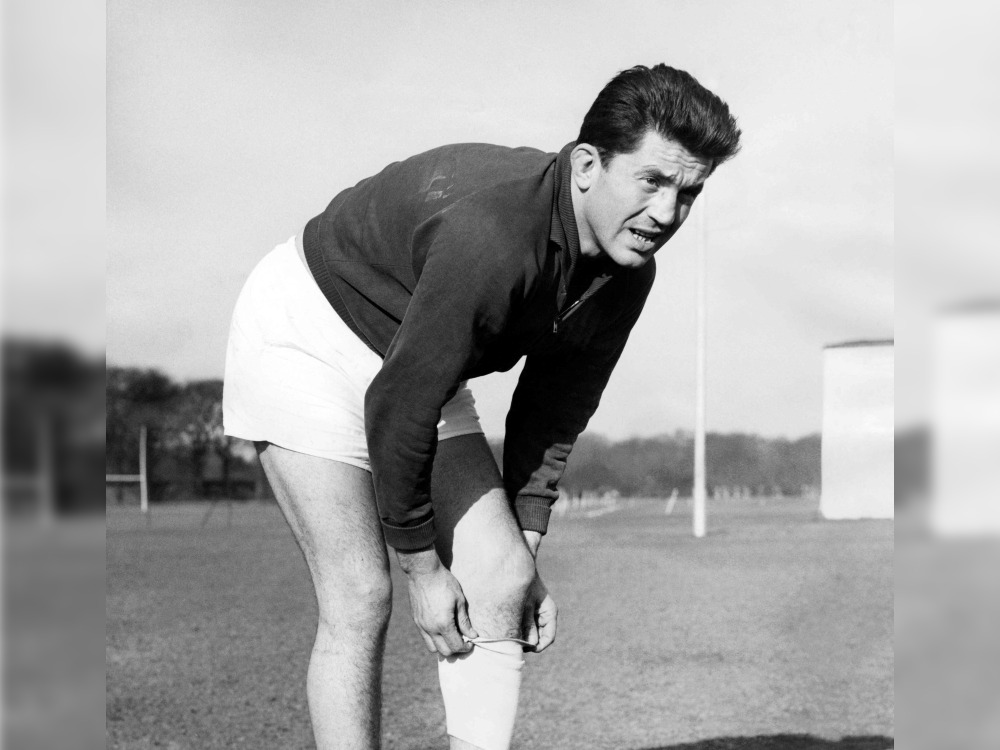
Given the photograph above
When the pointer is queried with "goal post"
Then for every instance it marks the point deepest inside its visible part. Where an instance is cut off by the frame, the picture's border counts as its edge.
(40, 482)
(142, 478)
(698, 489)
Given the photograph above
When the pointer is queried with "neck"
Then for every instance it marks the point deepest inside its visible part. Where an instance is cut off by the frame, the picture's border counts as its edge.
(588, 247)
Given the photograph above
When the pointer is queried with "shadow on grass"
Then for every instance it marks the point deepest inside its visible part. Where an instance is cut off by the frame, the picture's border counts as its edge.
(784, 742)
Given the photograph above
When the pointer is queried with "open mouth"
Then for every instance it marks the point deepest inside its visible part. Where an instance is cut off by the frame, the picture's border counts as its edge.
(646, 239)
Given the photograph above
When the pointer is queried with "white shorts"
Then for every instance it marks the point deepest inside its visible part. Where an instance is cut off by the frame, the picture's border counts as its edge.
(296, 375)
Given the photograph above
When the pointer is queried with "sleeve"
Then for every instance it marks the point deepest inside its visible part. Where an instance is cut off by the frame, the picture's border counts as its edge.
(555, 398)
(459, 305)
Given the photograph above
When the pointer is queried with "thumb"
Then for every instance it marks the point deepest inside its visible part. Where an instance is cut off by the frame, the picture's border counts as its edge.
(464, 623)
(529, 626)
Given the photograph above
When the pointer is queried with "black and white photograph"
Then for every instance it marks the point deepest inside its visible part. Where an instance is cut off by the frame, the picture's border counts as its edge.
(502, 376)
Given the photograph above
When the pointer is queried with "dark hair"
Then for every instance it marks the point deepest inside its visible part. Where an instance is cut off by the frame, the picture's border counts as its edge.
(666, 100)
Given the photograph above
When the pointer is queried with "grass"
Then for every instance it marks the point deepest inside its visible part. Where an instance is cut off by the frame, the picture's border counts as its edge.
(53, 675)
(774, 631)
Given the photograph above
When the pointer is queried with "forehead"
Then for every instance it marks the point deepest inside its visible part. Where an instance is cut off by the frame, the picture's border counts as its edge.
(656, 153)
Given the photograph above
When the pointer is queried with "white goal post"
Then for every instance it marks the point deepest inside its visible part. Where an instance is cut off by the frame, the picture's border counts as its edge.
(42, 481)
(142, 477)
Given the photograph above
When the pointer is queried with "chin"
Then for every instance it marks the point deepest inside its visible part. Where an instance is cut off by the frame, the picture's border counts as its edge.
(631, 258)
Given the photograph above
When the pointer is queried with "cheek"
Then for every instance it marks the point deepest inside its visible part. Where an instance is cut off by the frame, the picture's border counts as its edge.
(618, 205)
(610, 220)
(625, 209)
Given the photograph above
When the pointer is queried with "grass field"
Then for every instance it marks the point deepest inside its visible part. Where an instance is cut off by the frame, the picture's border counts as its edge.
(774, 631)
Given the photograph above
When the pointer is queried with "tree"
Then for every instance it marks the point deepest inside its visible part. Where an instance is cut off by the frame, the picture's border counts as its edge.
(193, 418)
(134, 397)
(52, 417)
(193, 425)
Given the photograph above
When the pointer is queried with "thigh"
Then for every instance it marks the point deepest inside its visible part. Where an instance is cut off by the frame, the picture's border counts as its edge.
(330, 507)
(478, 536)
(296, 375)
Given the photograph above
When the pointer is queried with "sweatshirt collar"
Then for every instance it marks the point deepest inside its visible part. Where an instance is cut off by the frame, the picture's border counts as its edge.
(564, 232)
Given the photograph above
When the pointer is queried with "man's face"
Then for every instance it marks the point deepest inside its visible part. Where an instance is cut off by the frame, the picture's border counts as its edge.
(631, 205)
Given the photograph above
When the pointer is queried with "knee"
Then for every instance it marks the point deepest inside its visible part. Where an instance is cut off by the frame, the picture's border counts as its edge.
(503, 581)
(357, 606)
(517, 573)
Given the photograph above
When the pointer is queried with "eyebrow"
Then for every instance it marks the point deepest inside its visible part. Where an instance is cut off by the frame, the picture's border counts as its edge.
(654, 171)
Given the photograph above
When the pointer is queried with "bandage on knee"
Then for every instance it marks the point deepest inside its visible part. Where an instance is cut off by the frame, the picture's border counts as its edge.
(480, 690)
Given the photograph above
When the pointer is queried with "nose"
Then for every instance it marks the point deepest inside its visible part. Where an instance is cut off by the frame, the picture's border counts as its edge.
(663, 208)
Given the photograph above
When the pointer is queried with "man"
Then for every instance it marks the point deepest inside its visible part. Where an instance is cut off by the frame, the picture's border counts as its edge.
(347, 362)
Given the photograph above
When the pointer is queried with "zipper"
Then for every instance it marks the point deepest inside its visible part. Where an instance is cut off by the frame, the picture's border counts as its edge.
(561, 317)
(565, 314)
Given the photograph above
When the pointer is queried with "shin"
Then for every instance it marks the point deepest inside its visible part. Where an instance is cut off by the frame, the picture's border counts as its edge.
(480, 690)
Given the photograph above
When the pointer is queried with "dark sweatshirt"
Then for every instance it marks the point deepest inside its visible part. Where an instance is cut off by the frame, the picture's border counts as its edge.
(454, 264)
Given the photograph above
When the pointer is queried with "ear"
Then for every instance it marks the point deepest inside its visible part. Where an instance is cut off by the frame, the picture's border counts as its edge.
(585, 163)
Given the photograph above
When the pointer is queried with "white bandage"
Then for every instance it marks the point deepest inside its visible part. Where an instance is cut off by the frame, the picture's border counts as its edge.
(480, 690)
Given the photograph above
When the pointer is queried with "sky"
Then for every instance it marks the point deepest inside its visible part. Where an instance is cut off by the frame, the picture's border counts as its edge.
(947, 192)
(230, 125)
(52, 138)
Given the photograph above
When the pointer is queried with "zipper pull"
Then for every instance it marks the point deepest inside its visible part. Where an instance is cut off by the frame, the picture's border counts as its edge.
(555, 326)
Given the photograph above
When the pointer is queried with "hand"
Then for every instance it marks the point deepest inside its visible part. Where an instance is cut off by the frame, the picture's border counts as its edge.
(437, 603)
(540, 615)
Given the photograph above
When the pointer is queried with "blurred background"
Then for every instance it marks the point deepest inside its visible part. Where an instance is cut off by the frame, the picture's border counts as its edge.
(948, 389)
(52, 270)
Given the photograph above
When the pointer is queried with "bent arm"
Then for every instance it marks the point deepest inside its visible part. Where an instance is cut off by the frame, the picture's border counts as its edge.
(556, 396)
(459, 305)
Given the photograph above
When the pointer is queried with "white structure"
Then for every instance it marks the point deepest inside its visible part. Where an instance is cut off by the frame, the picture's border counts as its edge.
(966, 408)
(699, 490)
(142, 477)
(858, 430)
(42, 481)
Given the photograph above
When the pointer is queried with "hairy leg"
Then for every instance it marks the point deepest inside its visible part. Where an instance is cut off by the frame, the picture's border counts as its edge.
(479, 539)
(330, 507)
(478, 536)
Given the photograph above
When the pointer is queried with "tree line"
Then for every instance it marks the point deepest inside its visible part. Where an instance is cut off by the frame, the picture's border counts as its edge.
(190, 455)
(736, 464)
(53, 423)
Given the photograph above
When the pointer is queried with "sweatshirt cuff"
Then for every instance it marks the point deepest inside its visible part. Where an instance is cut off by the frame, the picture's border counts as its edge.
(409, 538)
(533, 513)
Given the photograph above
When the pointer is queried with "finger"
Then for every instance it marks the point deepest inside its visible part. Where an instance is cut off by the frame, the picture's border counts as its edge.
(529, 627)
(547, 625)
(546, 636)
(441, 646)
(526, 620)
(428, 642)
(465, 623)
(453, 639)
